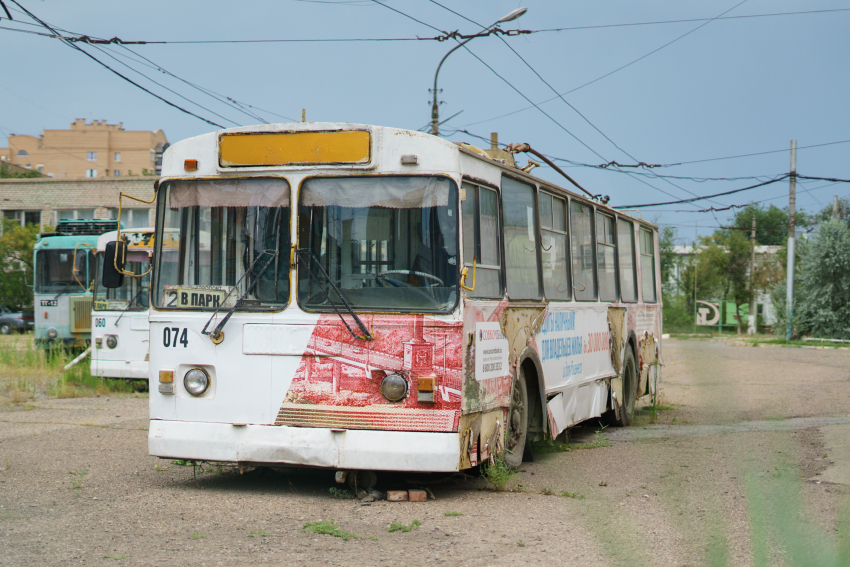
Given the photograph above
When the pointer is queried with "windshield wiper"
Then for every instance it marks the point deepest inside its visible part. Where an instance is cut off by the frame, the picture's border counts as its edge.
(128, 306)
(216, 333)
(367, 336)
(61, 291)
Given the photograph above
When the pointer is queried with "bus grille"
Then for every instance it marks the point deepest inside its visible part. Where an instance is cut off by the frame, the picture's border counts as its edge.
(390, 419)
(80, 314)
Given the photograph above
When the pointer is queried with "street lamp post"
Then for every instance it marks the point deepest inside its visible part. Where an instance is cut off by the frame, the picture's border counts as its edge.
(435, 106)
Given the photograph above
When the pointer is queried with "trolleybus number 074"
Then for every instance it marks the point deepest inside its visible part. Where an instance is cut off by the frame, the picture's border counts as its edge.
(172, 336)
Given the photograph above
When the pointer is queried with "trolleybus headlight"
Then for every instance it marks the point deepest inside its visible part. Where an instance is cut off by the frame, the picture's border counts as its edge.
(52, 333)
(196, 381)
(394, 387)
(112, 341)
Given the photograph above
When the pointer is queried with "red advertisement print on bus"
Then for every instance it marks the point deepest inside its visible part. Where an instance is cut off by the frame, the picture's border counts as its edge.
(338, 382)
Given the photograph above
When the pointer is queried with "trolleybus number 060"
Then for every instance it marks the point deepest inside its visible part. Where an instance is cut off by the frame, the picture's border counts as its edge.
(172, 336)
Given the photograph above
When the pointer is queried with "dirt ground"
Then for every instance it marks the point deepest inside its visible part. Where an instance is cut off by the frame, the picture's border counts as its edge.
(748, 466)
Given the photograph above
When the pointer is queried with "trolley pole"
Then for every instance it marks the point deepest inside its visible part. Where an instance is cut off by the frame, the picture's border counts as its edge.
(789, 281)
(751, 330)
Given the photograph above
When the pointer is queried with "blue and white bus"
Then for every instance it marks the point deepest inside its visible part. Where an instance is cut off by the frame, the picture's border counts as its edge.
(65, 269)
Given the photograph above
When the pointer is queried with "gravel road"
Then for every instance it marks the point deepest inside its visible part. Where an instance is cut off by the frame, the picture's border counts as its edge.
(749, 466)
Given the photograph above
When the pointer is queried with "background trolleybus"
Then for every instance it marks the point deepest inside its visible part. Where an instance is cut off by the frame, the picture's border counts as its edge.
(368, 298)
(64, 274)
(120, 315)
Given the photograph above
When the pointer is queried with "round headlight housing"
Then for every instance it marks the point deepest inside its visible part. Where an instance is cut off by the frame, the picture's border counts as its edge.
(196, 381)
(52, 333)
(111, 341)
(394, 387)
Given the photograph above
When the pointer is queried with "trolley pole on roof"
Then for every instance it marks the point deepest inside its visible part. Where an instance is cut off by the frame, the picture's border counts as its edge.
(789, 282)
(435, 105)
(753, 324)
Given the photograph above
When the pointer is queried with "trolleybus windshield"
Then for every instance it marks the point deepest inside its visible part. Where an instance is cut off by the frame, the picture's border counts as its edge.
(134, 294)
(388, 243)
(225, 228)
(55, 270)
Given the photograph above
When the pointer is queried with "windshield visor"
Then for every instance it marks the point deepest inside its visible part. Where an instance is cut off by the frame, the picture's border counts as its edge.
(225, 239)
(55, 270)
(134, 295)
(388, 243)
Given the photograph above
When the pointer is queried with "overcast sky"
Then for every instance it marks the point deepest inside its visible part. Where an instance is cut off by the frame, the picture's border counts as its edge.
(729, 87)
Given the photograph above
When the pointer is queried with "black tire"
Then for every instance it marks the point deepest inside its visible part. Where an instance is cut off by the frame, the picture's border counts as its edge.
(517, 426)
(627, 404)
(5, 329)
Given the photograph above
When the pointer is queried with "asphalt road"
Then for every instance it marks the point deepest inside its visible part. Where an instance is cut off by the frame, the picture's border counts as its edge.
(750, 466)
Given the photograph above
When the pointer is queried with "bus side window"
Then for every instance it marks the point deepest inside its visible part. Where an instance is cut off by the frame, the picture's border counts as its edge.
(626, 254)
(553, 226)
(581, 233)
(481, 240)
(606, 254)
(647, 265)
(520, 242)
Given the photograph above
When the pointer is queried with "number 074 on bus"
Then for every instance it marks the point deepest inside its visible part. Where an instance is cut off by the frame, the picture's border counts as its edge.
(367, 298)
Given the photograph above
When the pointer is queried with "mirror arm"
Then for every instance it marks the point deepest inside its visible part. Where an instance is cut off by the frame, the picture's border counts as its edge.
(463, 275)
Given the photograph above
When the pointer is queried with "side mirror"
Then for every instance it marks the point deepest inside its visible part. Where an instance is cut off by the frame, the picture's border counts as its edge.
(80, 264)
(114, 256)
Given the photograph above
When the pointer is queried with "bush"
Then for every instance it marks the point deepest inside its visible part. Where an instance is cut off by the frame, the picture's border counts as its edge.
(678, 315)
(822, 305)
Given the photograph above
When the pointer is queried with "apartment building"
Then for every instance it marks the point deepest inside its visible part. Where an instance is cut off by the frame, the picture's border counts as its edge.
(45, 201)
(88, 150)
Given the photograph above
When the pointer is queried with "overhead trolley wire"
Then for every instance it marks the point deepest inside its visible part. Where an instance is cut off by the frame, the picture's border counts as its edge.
(774, 180)
(87, 39)
(132, 82)
(617, 69)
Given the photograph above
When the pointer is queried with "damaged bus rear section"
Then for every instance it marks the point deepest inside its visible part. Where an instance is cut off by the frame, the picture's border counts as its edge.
(366, 298)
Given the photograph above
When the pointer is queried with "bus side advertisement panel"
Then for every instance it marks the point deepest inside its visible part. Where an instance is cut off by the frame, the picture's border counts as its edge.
(574, 346)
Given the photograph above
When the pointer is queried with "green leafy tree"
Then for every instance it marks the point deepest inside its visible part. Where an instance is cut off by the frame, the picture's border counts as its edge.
(16, 263)
(822, 302)
(7, 172)
(669, 259)
(771, 222)
(723, 268)
(843, 211)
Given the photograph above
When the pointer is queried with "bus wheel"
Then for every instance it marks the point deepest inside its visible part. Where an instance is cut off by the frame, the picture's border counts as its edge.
(517, 422)
(362, 480)
(627, 404)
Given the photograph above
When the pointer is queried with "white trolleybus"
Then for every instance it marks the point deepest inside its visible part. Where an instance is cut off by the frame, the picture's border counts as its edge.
(120, 314)
(367, 298)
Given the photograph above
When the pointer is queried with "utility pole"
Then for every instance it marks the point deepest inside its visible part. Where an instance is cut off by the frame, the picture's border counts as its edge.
(751, 328)
(696, 237)
(835, 206)
(789, 281)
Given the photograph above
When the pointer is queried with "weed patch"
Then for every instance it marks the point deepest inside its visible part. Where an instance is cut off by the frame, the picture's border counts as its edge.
(497, 474)
(397, 527)
(328, 528)
(576, 495)
(196, 535)
(340, 494)
(549, 446)
(450, 513)
(257, 534)
(26, 371)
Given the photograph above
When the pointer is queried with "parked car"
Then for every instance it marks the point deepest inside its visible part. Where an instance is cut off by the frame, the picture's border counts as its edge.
(15, 320)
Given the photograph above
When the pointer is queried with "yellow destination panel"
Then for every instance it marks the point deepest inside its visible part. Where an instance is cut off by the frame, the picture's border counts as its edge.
(294, 148)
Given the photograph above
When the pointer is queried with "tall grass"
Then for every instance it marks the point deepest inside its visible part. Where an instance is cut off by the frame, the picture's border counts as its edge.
(26, 371)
